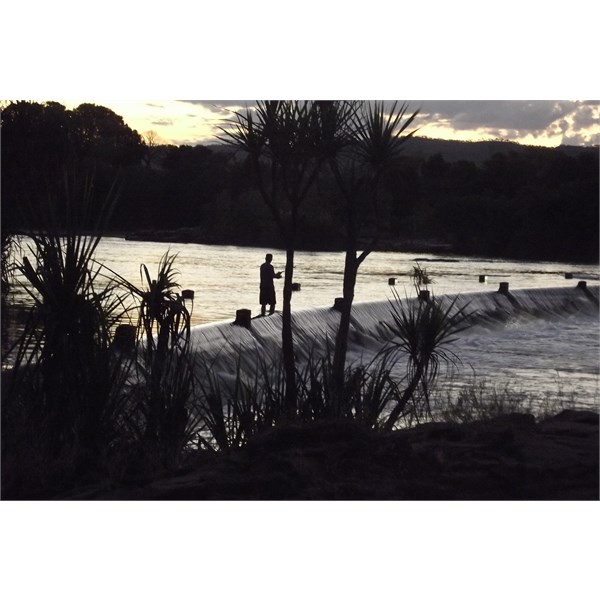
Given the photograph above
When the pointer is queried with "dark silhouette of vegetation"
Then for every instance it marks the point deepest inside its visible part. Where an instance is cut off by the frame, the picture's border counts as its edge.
(62, 398)
(43, 141)
(281, 139)
(423, 329)
(537, 204)
(360, 140)
(163, 360)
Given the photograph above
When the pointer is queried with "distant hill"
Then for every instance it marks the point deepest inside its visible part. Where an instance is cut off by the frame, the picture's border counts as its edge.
(454, 150)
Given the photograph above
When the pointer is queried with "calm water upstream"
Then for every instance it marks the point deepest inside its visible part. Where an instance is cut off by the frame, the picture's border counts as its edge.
(225, 278)
(546, 355)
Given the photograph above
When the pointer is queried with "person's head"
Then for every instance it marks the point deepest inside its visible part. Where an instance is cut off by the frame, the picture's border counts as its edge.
(269, 258)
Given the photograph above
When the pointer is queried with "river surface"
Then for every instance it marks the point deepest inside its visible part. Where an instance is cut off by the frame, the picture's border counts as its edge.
(226, 278)
(557, 353)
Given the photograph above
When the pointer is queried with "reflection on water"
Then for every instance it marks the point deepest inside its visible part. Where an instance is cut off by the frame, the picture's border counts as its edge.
(225, 278)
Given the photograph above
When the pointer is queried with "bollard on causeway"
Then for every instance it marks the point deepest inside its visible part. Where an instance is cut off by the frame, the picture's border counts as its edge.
(124, 339)
(338, 304)
(243, 317)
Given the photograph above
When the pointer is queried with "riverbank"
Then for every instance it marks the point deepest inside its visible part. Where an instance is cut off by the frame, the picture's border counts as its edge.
(201, 235)
(511, 457)
(330, 243)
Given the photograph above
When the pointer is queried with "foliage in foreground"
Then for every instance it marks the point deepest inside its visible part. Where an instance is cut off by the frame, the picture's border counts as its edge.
(481, 400)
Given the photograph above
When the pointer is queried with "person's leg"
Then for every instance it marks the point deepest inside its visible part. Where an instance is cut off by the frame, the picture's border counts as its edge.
(271, 309)
(263, 309)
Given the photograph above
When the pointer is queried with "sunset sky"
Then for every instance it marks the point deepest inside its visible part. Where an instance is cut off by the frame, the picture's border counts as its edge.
(539, 122)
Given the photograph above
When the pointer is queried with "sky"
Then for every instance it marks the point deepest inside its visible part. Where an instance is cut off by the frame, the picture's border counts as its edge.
(537, 122)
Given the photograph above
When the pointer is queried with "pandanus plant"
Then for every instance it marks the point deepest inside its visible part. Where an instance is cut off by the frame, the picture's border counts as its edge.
(164, 321)
(423, 332)
(281, 140)
(360, 140)
(64, 385)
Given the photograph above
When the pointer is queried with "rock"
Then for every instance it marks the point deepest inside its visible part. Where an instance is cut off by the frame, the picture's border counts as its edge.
(508, 458)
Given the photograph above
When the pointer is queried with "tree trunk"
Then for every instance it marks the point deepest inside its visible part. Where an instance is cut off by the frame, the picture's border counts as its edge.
(341, 340)
(406, 396)
(287, 341)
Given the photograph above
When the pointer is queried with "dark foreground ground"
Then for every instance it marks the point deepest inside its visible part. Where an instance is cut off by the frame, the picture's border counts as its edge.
(508, 458)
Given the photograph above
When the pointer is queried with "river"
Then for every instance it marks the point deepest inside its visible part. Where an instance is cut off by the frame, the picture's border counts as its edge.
(225, 278)
(556, 353)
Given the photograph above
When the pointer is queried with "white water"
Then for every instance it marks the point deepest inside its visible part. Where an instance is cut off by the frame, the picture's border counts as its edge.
(546, 347)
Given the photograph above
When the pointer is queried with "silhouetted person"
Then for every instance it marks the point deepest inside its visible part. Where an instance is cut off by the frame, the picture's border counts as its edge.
(267, 287)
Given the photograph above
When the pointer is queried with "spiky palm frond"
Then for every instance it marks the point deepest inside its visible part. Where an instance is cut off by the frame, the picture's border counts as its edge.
(423, 332)
(380, 133)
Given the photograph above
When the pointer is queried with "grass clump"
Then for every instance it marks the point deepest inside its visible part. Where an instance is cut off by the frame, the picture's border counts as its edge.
(482, 400)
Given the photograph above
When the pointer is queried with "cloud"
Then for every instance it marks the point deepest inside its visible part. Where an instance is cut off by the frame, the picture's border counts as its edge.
(577, 139)
(514, 119)
(163, 122)
(218, 103)
(587, 115)
(502, 114)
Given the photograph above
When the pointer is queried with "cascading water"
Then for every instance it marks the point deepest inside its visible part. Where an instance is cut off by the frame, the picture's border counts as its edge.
(543, 341)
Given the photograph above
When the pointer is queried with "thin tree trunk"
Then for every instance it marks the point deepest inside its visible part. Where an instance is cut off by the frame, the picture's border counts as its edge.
(341, 340)
(408, 392)
(287, 341)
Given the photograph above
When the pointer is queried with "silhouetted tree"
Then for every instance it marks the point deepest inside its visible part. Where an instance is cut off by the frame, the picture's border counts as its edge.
(36, 146)
(42, 143)
(280, 138)
(103, 135)
(361, 141)
(151, 146)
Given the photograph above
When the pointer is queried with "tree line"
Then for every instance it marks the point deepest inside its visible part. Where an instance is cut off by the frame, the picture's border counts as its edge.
(535, 203)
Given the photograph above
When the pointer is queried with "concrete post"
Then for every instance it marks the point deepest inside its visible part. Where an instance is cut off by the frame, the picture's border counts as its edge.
(243, 317)
(124, 339)
(338, 304)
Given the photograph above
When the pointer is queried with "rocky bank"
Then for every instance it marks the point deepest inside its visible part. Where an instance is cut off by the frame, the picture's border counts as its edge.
(511, 457)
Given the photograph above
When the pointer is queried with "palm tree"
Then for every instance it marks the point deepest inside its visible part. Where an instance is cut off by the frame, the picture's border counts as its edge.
(362, 140)
(281, 141)
(165, 324)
